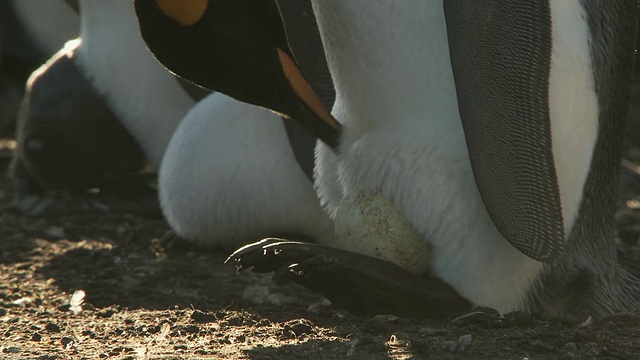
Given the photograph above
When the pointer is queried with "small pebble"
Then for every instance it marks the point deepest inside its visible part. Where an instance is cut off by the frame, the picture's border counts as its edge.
(388, 318)
(51, 327)
(352, 344)
(55, 232)
(570, 346)
(202, 317)
(12, 350)
(192, 329)
(22, 301)
(77, 299)
(451, 345)
(121, 230)
(296, 328)
(275, 299)
(587, 322)
(455, 346)
(465, 339)
(256, 293)
(318, 307)
(430, 331)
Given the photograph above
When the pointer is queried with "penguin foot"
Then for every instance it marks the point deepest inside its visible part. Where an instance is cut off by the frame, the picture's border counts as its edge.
(361, 284)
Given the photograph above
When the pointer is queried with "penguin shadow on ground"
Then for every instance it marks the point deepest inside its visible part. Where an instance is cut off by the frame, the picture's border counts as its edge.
(134, 270)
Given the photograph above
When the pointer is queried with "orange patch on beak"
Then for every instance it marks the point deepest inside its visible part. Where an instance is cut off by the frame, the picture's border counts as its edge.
(304, 91)
(185, 12)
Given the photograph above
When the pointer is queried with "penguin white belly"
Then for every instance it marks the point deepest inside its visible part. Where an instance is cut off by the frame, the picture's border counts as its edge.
(229, 177)
(403, 137)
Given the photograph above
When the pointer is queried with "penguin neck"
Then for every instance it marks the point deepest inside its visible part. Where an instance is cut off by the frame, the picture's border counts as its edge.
(147, 98)
(370, 65)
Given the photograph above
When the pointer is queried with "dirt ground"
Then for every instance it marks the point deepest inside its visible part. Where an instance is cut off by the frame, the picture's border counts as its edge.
(142, 301)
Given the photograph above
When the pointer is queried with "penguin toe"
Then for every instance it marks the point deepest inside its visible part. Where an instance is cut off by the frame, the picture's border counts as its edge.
(361, 284)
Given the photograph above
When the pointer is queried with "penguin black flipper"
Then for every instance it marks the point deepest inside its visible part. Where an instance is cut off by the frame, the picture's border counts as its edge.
(360, 284)
(501, 55)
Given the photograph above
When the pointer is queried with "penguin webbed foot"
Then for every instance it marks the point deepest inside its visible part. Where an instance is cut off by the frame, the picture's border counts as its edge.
(360, 284)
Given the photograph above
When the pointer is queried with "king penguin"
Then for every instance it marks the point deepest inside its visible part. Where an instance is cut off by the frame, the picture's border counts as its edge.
(492, 128)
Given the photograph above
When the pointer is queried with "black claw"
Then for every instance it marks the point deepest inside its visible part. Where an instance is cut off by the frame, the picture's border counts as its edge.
(358, 283)
(268, 254)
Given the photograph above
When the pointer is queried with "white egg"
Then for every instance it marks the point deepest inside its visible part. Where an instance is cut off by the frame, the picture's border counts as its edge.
(370, 224)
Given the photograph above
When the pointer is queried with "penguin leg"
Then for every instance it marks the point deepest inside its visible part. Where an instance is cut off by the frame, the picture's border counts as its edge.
(360, 284)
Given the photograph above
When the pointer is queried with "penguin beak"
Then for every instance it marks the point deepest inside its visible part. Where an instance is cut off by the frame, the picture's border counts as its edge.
(185, 12)
(316, 117)
(239, 48)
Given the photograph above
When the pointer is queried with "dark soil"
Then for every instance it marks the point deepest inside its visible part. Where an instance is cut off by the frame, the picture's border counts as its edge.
(143, 301)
